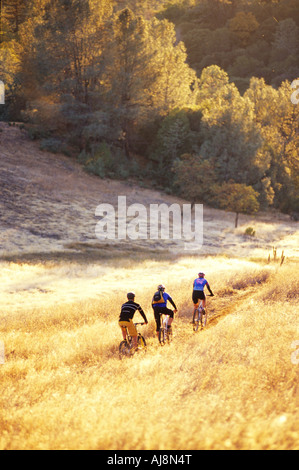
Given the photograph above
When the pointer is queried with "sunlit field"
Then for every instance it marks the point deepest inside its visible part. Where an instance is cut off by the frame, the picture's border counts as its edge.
(140, 143)
(232, 386)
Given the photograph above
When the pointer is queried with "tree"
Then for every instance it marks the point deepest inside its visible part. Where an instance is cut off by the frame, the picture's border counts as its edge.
(278, 119)
(286, 39)
(194, 178)
(237, 198)
(231, 136)
(175, 83)
(242, 26)
(10, 63)
(147, 73)
(67, 55)
(245, 66)
(13, 12)
(69, 45)
(128, 74)
(286, 152)
(212, 84)
(171, 140)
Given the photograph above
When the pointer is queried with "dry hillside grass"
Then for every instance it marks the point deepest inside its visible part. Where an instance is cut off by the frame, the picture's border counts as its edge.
(48, 202)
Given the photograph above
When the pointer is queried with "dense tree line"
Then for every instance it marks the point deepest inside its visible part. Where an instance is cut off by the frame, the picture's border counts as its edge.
(179, 94)
(245, 38)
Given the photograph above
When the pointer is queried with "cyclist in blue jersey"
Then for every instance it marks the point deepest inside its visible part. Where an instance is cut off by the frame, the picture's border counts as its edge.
(198, 291)
(159, 305)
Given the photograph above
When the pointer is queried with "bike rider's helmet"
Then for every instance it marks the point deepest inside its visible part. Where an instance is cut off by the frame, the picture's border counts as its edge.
(161, 287)
(131, 295)
(201, 274)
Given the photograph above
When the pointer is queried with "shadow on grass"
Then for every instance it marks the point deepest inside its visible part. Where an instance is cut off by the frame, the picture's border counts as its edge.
(85, 253)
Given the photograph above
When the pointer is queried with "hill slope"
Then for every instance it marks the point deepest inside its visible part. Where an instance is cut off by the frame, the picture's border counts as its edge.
(48, 204)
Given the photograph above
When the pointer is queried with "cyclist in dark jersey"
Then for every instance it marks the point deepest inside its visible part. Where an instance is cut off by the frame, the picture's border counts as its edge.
(198, 291)
(127, 313)
(159, 305)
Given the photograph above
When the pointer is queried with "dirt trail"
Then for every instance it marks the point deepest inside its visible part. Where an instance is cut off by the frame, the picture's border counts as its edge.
(233, 305)
(224, 304)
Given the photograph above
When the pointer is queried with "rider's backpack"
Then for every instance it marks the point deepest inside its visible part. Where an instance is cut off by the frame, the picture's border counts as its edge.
(158, 297)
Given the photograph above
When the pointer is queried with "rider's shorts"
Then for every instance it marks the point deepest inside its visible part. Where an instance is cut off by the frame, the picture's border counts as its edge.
(157, 314)
(130, 325)
(198, 294)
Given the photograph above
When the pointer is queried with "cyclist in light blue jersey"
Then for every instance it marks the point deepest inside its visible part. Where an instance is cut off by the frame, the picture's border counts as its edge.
(198, 291)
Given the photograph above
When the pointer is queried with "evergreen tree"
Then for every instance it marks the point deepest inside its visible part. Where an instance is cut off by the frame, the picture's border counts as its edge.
(147, 73)
(10, 64)
(278, 118)
(242, 26)
(68, 44)
(13, 13)
(175, 83)
(194, 178)
(171, 141)
(286, 39)
(128, 75)
(231, 137)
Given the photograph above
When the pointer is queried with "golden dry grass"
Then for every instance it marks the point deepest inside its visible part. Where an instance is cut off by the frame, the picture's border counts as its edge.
(233, 386)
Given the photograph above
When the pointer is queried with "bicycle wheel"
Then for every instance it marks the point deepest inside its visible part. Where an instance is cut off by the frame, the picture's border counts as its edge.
(141, 342)
(196, 320)
(124, 349)
(169, 335)
(162, 336)
(203, 319)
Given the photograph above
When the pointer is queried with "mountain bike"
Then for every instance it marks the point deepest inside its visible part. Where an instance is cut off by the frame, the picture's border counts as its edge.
(165, 332)
(126, 346)
(199, 318)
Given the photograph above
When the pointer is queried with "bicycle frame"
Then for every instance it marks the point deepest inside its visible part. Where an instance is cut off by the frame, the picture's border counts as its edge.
(125, 347)
(164, 333)
(202, 319)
